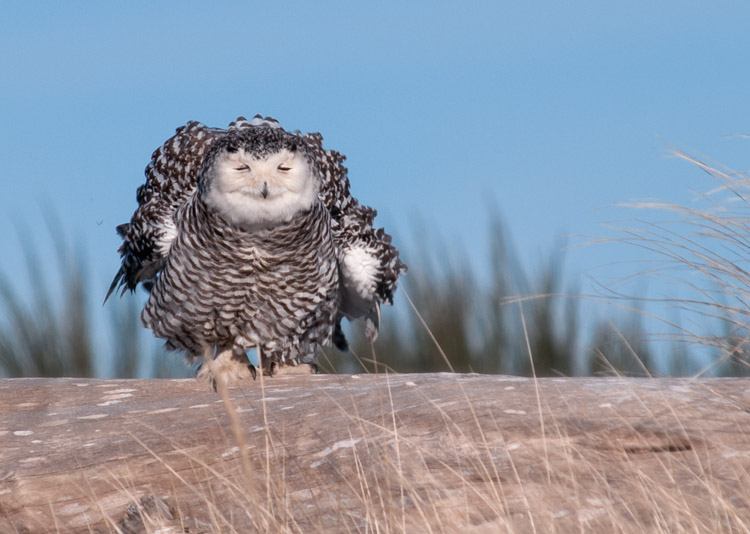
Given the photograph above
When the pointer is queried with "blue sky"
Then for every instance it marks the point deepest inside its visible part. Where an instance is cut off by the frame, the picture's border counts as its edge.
(542, 112)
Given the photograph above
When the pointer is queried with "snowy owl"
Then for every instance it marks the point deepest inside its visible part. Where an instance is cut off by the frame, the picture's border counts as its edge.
(249, 238)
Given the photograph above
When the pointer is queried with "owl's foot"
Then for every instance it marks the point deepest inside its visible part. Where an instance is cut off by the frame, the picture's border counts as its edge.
(279, 369)
(228, 367)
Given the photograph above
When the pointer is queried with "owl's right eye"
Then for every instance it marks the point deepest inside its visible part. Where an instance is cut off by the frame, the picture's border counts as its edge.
(242, 168)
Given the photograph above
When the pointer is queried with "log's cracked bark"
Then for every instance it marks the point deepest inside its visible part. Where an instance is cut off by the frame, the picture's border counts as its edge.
(338, 453)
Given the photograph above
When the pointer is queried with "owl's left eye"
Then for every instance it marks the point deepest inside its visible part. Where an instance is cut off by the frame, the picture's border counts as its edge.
(242, 168)
(284, 168)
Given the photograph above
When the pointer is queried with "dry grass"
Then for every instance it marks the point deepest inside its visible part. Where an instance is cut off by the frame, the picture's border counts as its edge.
(461, 466)
(435, 454)
(701, 253)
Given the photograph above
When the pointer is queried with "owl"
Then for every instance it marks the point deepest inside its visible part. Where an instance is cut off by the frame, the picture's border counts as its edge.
(248, 237)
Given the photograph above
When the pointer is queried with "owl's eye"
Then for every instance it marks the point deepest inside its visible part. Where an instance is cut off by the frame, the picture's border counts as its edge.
(284, 168)
(242, 168)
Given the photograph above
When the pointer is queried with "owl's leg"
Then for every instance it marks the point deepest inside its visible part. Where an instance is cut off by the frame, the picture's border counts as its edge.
(228, 364)
(280, 363)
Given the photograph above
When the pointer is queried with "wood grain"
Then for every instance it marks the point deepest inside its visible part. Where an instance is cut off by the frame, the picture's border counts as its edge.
(409, 453)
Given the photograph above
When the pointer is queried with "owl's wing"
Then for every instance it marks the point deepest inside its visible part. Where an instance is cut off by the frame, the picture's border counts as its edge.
(369, 264)
(171, 178)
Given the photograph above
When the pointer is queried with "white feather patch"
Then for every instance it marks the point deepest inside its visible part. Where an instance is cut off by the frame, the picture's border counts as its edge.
(167, 235)
(360, 269)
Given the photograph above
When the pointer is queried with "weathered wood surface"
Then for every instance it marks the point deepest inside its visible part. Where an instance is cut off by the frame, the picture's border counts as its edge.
(396, 453)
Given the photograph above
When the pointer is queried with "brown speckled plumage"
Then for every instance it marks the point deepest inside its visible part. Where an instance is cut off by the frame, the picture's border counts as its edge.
(223, 286)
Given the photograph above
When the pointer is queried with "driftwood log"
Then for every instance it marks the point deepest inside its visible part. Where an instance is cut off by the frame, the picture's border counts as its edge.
(375, 453)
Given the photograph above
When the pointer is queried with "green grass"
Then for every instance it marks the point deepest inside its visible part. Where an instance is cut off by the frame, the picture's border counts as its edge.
(53, 332)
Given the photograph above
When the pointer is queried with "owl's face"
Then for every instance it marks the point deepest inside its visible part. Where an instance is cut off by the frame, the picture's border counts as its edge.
(260, 181)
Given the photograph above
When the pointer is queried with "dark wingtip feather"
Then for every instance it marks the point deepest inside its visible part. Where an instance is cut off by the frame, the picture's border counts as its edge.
(339, 339)
(122, 229)
(115, 282)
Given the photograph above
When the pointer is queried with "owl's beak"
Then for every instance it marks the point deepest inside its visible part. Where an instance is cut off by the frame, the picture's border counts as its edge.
(264, 191)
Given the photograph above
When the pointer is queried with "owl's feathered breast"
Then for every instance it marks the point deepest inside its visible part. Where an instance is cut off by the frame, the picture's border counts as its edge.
(224, 286)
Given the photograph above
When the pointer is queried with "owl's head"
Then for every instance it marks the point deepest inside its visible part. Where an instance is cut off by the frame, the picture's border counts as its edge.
(259, 177)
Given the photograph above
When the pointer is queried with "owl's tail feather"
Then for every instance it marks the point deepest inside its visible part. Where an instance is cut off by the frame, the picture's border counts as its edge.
(372, 322)
(372, 326)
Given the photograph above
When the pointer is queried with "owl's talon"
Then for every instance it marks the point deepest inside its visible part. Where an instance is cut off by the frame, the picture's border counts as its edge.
(277, 369)
(227, 367)
(204, 372)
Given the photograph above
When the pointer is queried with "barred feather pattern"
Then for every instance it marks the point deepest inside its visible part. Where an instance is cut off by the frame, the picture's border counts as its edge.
(171, 178)
(221, 286)
(369, 264)
(352, 222)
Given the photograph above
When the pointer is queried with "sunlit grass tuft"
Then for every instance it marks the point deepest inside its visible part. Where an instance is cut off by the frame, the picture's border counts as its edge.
(702, 252)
